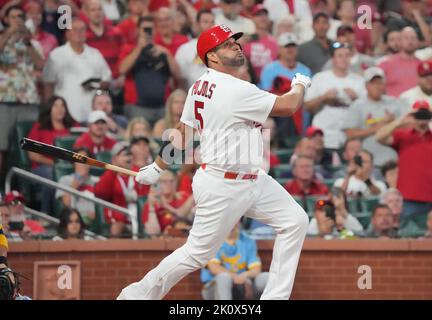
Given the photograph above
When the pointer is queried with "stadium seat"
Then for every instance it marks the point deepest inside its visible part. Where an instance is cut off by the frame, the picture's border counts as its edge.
(62, 169)
(282, 171)
(104, 156)
(364, 218)
(368, 204)
(18, 156)
(284, 155)
(329, 183)
(283, 181)
(291, 141)
(414, 226)
(353, 205)
(66, 142)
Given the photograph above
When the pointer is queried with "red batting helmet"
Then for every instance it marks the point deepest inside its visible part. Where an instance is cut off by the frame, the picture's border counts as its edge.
(213, 37)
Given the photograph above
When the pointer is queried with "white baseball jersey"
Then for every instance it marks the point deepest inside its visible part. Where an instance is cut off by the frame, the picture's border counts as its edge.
(228, 112)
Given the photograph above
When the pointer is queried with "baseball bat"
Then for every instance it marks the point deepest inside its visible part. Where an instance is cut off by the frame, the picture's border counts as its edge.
(60, 153)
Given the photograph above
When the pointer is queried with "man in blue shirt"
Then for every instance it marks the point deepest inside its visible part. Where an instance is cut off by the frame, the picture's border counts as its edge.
(286, 66)
(235, 272)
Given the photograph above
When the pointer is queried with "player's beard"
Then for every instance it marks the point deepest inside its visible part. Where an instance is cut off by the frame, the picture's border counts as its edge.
(236, 61)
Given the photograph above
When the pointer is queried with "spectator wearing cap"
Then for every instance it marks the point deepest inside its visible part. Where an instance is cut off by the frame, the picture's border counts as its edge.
(286, 66)
(116, 123)
(359, 61)
(414, 14)
(166, 36)
(390, 173)
(190, 64)
(324, 157)
(73, 70)
(315, 52)
(393, 199)
(96, 139)
(368, 114)
(230, 16)
(120, 189)
(129, 26)
(304, 183)
(343, 220)
(80, 180)
(262, 48)
(401, 69)
(54, 122)
(381, 225)
(20, 226)
(411, 137)
(104, 37)
(330, 95)
(46, 40)
(423, 90)
(360, 181)
(149, 67)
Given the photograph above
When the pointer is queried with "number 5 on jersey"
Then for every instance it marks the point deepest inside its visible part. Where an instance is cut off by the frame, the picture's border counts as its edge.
(199, 105)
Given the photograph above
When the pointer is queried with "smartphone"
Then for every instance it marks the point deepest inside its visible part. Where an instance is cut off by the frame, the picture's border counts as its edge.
(358, 160)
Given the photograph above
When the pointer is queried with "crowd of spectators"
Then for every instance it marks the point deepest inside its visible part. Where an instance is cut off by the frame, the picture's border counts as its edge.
(356, 156)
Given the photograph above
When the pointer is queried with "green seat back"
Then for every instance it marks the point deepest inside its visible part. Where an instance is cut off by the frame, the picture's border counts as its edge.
(284, 155)
(281, 169)
(104, 156)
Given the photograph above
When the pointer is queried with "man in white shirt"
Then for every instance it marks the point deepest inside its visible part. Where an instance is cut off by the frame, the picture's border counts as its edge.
(423, 91)
(68, 69)
(190, 64)
(231, 18)
(330, 95)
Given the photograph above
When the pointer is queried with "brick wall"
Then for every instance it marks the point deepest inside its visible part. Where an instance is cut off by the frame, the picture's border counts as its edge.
(401, 269)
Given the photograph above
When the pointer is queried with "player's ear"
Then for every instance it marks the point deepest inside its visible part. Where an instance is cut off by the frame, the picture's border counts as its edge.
(212, 56)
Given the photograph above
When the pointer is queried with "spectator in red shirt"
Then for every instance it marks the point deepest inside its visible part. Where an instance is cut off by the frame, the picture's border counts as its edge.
(304, 183)
(96, 139)
(104, 37)
(34, 18)
(119, 189)
(411, 137)
(129, 26)
(166, 208)
(148, 68)
(54, 121)
(165, 31)
(401, 68)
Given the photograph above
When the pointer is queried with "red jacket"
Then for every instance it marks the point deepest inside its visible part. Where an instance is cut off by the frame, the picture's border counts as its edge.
(110, 189)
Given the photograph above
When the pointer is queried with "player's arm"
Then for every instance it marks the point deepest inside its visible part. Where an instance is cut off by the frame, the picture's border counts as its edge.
(287, 104)
(179, 137)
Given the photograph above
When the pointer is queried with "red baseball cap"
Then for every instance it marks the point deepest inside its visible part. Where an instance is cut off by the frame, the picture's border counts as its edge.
(13, 196)
(312, 131)
(258, 8)
(421, 104)
(425, 68)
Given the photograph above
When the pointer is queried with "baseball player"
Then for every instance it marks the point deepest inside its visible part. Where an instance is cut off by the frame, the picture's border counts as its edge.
(221, 106)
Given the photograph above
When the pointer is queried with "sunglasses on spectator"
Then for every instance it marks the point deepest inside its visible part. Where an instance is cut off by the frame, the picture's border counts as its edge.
(338, 45)
(15, 203)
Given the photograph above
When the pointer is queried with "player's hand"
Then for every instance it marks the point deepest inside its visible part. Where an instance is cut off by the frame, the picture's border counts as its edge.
(299, 78)
(149, 174)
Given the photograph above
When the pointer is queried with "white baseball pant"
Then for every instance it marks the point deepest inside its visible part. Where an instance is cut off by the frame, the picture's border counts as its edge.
(220, 204)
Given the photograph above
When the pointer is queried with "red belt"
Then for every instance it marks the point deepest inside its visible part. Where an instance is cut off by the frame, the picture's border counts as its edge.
(235, 175)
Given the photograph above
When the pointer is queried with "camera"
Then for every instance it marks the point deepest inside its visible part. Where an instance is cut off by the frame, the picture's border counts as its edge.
(423, 114)
(328, 207)
(358, 160)
(148, 30)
